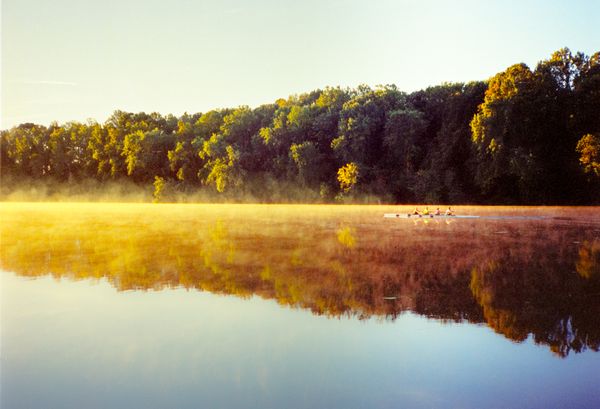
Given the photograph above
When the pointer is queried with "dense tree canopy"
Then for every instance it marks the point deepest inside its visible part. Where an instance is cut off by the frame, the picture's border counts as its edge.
(524, 136)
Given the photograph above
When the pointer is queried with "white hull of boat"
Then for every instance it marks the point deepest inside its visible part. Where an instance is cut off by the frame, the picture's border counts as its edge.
(429, 216)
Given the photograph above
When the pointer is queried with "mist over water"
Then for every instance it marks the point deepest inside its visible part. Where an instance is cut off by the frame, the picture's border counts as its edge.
(126, 191)
(332, 260)
(223, 279)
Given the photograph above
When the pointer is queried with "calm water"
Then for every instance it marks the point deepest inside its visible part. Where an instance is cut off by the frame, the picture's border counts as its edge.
(196, 306)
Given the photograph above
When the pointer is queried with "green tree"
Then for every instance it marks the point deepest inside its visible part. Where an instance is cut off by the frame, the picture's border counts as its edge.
(83, 164)
(507, 140)
(362, 122)
(191, 134)
(146, 154)
(584, 116)
(7, 165)
(28, 148)
(446, 171)
(527, 129)
(404, 132)
(61, 143)
(307, 159)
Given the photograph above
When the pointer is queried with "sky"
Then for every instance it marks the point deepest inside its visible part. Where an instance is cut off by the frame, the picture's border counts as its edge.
(64, 60)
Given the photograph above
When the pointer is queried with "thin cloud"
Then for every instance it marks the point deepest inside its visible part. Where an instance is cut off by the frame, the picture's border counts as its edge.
(47, 82)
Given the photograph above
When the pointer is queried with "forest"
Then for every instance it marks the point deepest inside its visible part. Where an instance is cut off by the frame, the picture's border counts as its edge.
(522, 137)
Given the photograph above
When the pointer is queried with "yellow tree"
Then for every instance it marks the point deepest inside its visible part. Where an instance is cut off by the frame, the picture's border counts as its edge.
(347, 175)
(589, 149)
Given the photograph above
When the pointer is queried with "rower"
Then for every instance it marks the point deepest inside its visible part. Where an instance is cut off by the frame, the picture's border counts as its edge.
(417, 211)
(426, 211)
(437, 212)
(449, 212)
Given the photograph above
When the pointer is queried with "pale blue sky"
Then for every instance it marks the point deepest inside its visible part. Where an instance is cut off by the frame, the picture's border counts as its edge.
(77, 59)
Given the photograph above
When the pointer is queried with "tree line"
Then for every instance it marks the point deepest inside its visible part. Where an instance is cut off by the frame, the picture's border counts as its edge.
(522, 137)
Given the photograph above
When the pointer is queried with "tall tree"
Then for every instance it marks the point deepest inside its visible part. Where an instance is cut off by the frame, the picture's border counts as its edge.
(508, 166)
(28, 148)
(361, 129)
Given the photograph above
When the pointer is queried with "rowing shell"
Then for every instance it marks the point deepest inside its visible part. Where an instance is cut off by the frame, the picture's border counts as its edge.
(429, 216)
(443, 216)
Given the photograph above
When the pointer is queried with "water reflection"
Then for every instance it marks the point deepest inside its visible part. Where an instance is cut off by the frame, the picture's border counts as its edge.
(588, 265)
(525, 278)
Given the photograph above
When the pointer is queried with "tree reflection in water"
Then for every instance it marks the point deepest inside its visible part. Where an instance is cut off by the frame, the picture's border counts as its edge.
(525, 278)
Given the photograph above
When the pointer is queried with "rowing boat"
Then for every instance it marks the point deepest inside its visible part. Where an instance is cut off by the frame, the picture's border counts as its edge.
(431, 216)
(444, 216)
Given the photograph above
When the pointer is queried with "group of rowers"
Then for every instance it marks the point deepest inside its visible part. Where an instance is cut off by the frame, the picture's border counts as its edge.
(438, 212)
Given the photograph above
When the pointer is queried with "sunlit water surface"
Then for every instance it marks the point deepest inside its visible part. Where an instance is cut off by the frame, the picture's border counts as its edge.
(188, 306)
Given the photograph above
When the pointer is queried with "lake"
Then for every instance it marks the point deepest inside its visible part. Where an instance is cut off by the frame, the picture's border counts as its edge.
(298, 306)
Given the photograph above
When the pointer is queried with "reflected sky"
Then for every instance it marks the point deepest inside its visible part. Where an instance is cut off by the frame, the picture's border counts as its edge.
(75, 344)
(292, 306)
